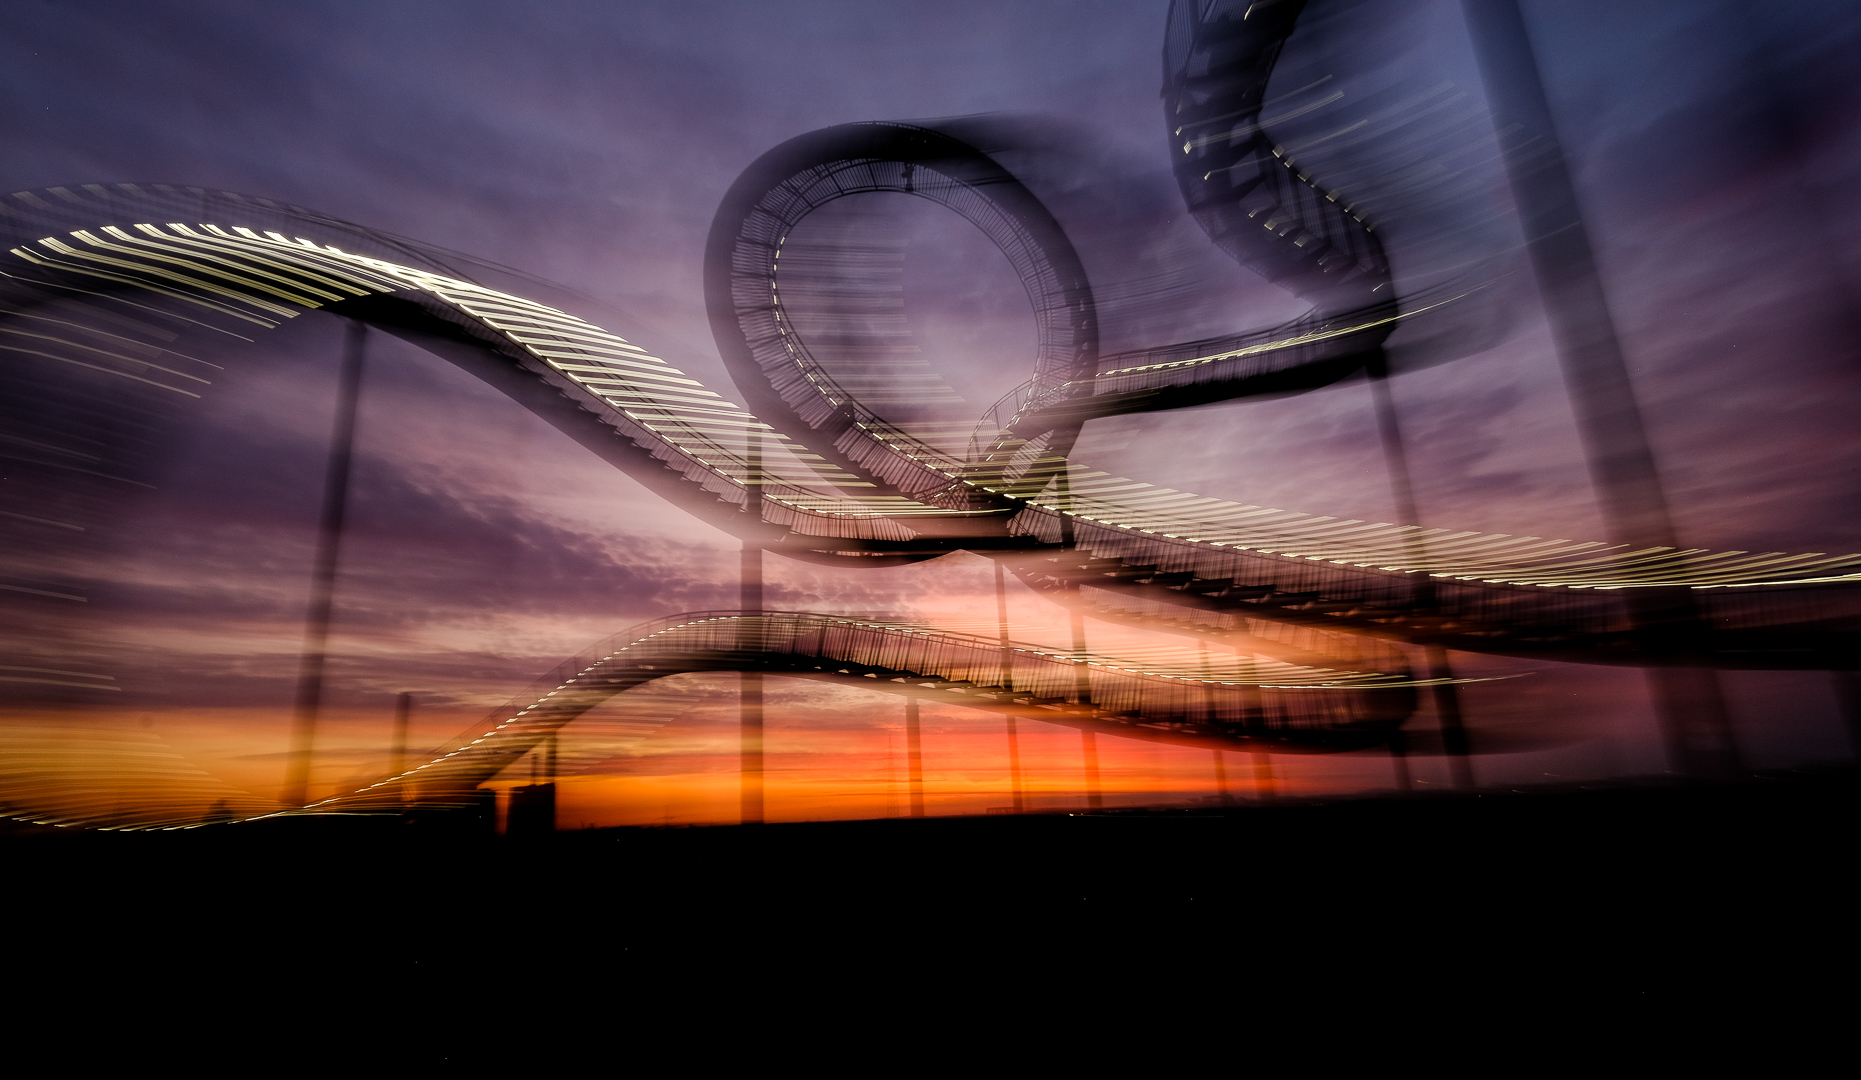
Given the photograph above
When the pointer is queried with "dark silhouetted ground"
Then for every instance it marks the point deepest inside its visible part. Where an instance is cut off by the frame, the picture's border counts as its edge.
(1626, 904)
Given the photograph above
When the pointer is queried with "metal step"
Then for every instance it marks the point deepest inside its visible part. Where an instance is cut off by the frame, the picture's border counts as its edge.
(1206, 586)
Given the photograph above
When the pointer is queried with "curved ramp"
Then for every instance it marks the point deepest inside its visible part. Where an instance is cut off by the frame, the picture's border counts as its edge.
(1494, 593)
(1268, 705)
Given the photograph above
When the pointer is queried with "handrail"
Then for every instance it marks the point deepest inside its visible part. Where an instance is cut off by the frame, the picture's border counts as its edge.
(1287, 707)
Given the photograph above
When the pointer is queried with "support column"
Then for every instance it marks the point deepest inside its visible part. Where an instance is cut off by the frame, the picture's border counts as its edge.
(891, 776)
(1694, 716)
(750, 698)
(397, 748)
(1014, 766)
(1446, 695)
(1082, 693)
(1628, 487)
(1447, 713)
(1253, 710)
(1211, 718)
(1209, 709)
(323, 572)
(533, 806)
(1082, 674)
(1265, 788)
(914, 756)
(1006, 681)
(1254, 724)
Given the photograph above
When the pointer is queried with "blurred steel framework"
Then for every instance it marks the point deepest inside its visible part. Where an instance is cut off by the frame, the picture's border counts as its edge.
(1285, 706)
(107, 282)
(1290, 708)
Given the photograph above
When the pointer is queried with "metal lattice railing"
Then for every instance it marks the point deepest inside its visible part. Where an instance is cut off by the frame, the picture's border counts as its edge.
(1287, 707)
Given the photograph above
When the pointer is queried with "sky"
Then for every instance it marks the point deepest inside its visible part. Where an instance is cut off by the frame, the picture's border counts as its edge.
(1713, 144)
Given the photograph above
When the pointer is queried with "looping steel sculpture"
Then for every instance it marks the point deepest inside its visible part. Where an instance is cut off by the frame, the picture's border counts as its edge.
(804, 468)
(770, 362)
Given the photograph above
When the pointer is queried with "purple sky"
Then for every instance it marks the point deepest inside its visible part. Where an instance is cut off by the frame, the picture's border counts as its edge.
(589, 143)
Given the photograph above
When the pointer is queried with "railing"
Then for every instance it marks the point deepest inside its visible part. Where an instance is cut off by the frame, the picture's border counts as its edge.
(1322, 710)
(1592, 624)
(859, 159)
(1547, 611)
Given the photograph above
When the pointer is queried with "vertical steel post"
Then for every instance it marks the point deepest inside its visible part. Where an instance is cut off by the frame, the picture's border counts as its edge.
(551, 789)
(1014, 765)
(1447, 713)
(1001, 622)
(1254, 724)
(1210, 709)
(1006, 682)
(891, 776)
(1264, 786)
(749, 683)
(323, 571)
(750, 696)
(1445, 694)
(1082, 673)
(397, 749)
(1253, 710)
(914, 755)
(1686, 692)
(1082, 693)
